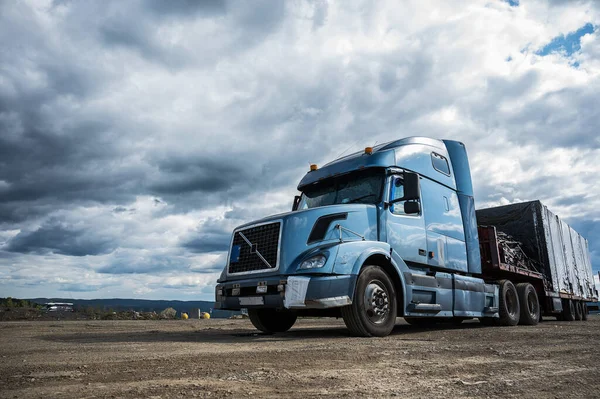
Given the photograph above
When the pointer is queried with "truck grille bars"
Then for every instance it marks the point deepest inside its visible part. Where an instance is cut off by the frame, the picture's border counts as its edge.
(255, 249)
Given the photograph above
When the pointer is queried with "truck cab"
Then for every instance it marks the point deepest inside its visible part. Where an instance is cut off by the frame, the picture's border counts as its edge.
(386, 232)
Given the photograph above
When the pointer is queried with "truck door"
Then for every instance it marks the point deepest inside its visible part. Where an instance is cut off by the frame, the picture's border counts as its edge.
(446, 246)
(405, 233)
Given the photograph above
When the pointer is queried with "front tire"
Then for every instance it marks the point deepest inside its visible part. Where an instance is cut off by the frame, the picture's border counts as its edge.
(271, 321)
(374, 308)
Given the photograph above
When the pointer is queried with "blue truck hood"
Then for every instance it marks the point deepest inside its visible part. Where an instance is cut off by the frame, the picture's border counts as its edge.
(297, 227)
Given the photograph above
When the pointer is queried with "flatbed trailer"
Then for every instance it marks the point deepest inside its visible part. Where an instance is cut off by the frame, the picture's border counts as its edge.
(555, 258)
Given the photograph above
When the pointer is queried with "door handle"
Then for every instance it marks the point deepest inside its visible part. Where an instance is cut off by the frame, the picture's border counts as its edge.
(422, 252)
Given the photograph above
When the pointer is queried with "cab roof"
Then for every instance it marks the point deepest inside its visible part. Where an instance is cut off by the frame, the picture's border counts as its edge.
(411, 153)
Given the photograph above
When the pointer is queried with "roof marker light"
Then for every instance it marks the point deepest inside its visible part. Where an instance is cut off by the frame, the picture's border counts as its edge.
(368, 150)
(313, 167)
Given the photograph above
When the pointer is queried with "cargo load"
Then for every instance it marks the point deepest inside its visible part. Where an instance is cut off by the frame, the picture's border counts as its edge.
(551, 247)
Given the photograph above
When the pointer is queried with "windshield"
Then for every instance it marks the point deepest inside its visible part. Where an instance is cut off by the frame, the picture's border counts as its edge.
(362, 187)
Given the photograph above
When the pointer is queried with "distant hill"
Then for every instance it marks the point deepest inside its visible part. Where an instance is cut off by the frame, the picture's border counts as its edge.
(141, 305)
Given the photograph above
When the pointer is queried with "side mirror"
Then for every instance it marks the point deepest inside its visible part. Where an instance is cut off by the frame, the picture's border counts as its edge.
(412, 186)
(411, 208)
(296, 203)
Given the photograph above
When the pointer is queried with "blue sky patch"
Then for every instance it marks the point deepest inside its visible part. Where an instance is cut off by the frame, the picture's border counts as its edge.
(513, 3)
(567, 44)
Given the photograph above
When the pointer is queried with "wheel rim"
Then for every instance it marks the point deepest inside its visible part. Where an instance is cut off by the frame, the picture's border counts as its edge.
(532, 305)
(376, 302)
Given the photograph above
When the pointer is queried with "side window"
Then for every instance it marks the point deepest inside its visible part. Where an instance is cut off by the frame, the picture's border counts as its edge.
(397, 192)
(440, 163)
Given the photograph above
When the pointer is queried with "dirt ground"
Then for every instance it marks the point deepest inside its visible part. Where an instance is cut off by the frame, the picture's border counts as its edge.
(228, 358)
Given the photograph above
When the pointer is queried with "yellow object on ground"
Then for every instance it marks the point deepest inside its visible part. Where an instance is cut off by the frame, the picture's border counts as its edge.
(206, 315)
(184, 316)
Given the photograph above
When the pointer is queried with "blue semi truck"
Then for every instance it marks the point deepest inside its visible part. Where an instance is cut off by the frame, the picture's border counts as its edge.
(392, 231)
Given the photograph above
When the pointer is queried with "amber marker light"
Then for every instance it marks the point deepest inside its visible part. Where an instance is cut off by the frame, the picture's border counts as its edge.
(313, 167)
(368, 150)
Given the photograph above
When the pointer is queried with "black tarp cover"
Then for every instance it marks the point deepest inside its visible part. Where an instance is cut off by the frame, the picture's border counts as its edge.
(562, 254)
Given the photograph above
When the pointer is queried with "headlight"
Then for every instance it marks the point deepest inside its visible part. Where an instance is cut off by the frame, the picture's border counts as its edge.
(314, 263)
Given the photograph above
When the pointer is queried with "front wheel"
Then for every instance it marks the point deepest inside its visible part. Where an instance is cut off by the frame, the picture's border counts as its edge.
(374, 308)
(272, 321)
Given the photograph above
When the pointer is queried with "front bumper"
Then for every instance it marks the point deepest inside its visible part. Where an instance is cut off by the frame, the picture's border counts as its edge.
(291, 292)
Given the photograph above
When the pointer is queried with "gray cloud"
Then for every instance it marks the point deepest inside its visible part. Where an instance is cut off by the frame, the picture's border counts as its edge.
(58, 237)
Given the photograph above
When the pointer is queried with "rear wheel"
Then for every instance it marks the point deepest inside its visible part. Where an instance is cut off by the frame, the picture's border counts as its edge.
(578, 310)
(510, 311)
(530, 306)
(374, 308)
(272, 321)
(584, 313)
(568, 310)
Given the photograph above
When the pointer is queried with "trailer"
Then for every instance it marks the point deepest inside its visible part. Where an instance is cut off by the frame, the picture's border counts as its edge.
(537, 247)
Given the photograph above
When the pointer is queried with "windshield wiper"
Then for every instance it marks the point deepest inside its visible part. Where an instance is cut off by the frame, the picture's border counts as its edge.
(359, 198)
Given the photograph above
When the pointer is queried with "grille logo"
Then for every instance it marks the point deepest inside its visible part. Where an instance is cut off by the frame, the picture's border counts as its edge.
(254, 249)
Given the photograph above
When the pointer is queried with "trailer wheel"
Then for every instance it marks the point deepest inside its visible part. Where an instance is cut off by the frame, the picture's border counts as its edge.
(568, 310)
(530, 305)
(271, 321)
(578, 310)
(510, 311)
(374, 308)
(584, 313)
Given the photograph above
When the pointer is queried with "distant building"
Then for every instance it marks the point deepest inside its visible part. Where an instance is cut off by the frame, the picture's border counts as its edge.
(58, 307)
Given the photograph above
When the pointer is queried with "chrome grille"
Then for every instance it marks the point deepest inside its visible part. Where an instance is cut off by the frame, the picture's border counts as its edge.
(255, 249)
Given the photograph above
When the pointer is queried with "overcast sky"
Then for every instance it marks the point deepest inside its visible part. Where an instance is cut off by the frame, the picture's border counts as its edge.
(135, 135)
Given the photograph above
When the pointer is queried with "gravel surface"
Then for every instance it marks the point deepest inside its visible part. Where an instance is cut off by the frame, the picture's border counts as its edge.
(228, 358)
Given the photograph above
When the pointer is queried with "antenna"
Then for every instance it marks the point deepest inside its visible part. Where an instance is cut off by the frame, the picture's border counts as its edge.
(351, 145)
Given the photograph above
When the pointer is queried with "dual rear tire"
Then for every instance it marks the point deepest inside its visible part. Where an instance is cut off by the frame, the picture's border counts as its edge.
(517, 305)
